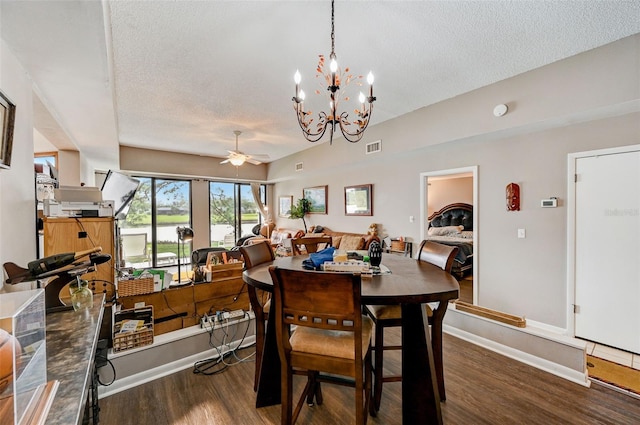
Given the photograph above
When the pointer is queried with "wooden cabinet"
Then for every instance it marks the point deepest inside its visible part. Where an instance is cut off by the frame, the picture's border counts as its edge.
(68, 234)
(183, 306)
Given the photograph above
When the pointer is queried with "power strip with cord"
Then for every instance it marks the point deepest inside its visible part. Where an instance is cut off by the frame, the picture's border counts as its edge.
(221, 318)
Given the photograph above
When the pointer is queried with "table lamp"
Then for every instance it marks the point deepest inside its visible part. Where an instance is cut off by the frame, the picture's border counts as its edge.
(185, 234)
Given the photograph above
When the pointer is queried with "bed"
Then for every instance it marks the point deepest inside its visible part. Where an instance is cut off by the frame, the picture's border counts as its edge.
(453, 225)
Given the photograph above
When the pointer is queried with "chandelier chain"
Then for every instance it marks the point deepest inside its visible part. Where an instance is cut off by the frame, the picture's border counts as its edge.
(333, 36)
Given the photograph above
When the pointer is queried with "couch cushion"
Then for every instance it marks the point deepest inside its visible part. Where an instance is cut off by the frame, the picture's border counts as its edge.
(335, 241)
(349, 242)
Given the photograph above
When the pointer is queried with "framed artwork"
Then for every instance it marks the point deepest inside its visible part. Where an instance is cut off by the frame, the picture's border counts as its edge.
(284, 203)
(358, 200)
(318, 197)
(7, 121)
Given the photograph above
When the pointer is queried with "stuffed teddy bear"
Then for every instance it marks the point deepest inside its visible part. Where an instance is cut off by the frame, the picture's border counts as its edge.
(373, 229)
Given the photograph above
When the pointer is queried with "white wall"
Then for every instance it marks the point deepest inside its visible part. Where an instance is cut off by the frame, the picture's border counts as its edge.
(68, 168)
(17, 187)
(589, 101)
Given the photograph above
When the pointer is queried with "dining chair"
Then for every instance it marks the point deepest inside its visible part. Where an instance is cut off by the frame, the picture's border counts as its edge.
(310, 244)
(253, 255)
(385, 316)
(331, 341)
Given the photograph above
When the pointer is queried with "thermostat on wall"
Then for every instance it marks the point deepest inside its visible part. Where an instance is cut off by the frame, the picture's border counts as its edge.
(549, 203)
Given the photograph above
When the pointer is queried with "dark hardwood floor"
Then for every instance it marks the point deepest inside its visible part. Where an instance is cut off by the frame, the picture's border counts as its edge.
(482, 388)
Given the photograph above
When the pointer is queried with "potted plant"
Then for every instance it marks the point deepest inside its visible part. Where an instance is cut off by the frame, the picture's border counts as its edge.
(300, 209)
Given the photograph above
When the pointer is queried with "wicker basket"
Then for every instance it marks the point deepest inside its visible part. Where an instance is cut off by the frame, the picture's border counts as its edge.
(131, 340)
(397, 245)
(128, 340)
(135, 286)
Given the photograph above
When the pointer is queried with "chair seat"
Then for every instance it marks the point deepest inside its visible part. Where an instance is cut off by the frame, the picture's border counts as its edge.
(391, 312)
(330, 342)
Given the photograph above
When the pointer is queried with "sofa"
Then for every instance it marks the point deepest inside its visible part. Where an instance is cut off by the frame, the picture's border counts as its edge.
(279, 235)
(347, 240)
(276, 236)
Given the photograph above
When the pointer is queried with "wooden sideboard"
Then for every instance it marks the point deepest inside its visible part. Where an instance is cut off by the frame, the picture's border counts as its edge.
(183, 306)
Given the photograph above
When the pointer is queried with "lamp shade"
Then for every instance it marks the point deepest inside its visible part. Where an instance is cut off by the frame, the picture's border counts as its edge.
(185, 233)
(237, 161)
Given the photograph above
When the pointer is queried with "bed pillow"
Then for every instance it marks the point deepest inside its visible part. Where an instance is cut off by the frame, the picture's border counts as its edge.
(351, 243)
(445, 230)
(466, 234)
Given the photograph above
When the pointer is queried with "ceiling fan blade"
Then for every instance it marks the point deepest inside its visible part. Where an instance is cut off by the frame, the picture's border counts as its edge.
(260, 155)
(225, 161)
(253, 161)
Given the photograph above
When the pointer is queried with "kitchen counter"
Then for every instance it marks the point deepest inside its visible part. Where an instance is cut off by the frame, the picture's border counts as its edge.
(72, 338)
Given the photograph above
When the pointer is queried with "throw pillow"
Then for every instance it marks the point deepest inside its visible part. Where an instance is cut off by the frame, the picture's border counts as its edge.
(335, 241)
(351, 243)
(445, 231)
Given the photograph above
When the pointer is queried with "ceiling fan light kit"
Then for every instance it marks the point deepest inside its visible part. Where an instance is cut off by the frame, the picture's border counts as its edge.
(351, 131)
(237, 158)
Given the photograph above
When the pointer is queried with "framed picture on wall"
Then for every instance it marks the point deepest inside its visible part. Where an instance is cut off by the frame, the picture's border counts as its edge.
(284, 206)
(318, 197)
(7, 121)
(358, 200)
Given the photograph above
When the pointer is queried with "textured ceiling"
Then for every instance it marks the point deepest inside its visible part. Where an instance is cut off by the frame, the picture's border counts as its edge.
(182, 76)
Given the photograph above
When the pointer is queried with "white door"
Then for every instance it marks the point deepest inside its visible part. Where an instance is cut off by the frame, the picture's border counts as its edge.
(607, 275)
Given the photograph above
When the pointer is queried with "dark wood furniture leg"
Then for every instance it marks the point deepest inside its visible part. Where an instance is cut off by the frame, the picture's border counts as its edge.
(420, 397)
(436, 343)
(268, 392)
(260, 330)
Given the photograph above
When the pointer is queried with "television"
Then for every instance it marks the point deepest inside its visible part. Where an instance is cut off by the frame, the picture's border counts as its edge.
(120, 189)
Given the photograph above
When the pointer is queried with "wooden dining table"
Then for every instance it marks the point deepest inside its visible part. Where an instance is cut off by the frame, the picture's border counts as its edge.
(410, 283)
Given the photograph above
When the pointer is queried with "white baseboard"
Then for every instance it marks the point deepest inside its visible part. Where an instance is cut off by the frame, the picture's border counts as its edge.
(453, 325)
(564, 357)
(167, 369)
(173, 352)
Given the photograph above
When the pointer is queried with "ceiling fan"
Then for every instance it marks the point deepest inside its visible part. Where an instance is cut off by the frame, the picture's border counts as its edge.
(238, 158)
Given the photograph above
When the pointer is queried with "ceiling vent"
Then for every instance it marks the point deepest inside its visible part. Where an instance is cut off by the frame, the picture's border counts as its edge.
(299, 166)
(373, 147)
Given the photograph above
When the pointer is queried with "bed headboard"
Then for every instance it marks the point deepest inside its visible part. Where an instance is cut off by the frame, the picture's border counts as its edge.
(453, 215)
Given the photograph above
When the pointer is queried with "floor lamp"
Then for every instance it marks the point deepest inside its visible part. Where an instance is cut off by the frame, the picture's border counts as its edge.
(185, 234)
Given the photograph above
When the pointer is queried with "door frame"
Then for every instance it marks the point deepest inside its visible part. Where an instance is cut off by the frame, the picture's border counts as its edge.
(571, 225)
(424, 176)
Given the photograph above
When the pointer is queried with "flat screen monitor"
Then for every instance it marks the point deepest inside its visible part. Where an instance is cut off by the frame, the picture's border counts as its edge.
(120, 189)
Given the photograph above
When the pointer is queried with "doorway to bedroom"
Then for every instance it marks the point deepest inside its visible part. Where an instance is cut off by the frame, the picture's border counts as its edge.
(443, 188)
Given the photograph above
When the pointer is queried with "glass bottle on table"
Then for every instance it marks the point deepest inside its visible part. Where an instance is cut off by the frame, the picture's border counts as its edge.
(81, 295)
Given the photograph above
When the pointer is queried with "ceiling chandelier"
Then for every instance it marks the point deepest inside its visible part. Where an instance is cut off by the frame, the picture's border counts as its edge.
(352, 131)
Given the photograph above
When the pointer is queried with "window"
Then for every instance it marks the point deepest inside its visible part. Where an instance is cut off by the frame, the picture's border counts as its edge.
(233, 211)
(158, 208)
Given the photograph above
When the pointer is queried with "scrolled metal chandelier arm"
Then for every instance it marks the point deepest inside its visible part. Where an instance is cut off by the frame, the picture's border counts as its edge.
(305, 121)
(333, 119)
